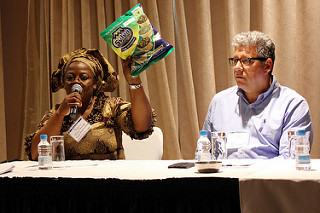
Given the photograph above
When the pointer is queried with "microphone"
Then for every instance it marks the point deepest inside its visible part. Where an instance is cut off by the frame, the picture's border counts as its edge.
(73, 110)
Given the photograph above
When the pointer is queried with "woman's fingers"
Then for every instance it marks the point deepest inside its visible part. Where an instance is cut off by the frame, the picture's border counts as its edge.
(73, 99)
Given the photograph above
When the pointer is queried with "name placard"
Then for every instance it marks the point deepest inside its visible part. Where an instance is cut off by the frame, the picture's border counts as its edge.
(79, 129)
(238, 139)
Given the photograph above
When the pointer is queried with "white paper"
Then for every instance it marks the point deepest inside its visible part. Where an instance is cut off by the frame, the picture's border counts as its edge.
(240, 162)
(79, 129)
(5, 168)
(238, 139)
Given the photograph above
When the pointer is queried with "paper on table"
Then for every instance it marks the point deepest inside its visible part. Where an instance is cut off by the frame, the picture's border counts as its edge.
(83, 163)
(74, 163)
(5, 168)
(239, 162)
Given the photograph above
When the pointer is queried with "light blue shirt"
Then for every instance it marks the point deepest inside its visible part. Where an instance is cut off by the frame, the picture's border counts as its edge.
(268, 119)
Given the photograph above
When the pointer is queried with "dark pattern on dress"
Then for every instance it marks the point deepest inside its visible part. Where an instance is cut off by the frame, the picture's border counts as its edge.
(109, 117)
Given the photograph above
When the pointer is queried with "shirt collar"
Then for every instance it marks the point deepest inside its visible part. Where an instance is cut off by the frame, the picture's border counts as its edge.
(262, 96)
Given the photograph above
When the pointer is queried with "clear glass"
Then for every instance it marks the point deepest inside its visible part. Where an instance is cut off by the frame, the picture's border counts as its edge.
(58, 156)
(292, 141)
(219, 145)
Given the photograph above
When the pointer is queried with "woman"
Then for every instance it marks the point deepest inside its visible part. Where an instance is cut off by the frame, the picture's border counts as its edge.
(108, 116)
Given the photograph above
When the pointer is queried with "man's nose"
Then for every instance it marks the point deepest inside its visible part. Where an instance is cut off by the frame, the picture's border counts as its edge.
(238, 66)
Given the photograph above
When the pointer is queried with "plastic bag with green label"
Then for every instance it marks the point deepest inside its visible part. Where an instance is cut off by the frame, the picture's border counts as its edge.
(133, 35)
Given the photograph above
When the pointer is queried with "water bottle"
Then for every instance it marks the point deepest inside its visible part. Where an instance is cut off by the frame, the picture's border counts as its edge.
(302, 148)
(44, 150)
(203, 147)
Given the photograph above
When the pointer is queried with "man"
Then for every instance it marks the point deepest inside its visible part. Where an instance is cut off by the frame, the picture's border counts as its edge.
(258, 105)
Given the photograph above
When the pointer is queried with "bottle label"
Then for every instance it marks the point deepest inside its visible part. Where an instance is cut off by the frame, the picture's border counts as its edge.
(204, 157)
(43, 161)
(304, 159)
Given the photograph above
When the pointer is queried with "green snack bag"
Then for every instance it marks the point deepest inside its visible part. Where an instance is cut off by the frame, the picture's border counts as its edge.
(133, 35)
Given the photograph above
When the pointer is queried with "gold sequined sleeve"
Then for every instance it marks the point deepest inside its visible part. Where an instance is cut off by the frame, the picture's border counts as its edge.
(120, 111)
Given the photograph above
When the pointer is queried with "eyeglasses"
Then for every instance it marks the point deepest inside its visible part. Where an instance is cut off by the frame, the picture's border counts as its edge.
(83, 77)
(244, 61)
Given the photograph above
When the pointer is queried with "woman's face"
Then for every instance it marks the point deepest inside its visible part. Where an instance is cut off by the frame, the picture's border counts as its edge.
(80, 73)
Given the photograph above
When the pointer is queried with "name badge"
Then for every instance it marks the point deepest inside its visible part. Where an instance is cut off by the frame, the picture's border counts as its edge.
(79, 129)
(238, 139)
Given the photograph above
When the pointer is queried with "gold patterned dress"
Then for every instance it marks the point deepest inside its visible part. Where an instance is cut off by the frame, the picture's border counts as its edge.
(109, 117)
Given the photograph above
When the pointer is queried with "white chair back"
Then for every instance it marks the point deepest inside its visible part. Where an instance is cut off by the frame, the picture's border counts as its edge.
(150, 148)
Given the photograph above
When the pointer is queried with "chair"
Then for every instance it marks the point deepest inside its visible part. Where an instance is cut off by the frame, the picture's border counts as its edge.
(150, 148)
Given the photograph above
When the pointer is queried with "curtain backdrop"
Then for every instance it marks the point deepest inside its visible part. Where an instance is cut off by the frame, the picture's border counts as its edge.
(181, 86)
(3, 144)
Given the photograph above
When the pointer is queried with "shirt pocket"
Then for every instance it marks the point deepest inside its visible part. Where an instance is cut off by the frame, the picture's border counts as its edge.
(270, 128)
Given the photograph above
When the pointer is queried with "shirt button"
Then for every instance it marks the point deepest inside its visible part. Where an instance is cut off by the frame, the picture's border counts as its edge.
(250, 106)
(241, 151)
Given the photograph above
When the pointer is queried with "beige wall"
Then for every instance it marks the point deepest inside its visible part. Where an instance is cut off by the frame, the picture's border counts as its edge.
(13, 27)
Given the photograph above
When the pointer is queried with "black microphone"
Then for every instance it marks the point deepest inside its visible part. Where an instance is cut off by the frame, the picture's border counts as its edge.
(73, 110)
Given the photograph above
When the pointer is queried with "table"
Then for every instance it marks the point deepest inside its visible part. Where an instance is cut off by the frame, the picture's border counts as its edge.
(115, 186)
(149, 186)
(276, 186)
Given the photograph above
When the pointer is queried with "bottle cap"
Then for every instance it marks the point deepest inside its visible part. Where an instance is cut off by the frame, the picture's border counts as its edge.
(43, 137)
(203, 133)
(301, 132)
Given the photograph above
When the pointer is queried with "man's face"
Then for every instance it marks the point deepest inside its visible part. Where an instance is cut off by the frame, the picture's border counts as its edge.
(253, 78)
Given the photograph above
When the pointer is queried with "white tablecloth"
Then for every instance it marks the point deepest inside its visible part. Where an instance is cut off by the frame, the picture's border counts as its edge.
(276, 186)
(264, 185)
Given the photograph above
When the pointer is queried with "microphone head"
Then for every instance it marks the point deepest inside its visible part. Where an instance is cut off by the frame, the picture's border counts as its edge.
(76, 88)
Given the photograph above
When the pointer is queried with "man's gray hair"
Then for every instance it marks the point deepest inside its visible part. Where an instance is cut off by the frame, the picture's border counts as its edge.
(264, 45)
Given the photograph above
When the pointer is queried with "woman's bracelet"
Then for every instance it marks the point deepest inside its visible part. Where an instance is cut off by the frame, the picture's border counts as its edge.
(135, 86)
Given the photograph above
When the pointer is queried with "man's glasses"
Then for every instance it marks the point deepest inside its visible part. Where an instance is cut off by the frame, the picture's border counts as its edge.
(244, 61)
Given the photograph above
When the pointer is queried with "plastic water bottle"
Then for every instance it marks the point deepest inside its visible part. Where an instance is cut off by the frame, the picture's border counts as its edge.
(203, 147)
(302, 147)
(44, 150)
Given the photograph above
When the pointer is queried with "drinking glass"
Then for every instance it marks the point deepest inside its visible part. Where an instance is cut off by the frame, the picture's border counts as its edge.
(292, 146)
(219, 145)
(57, 147)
